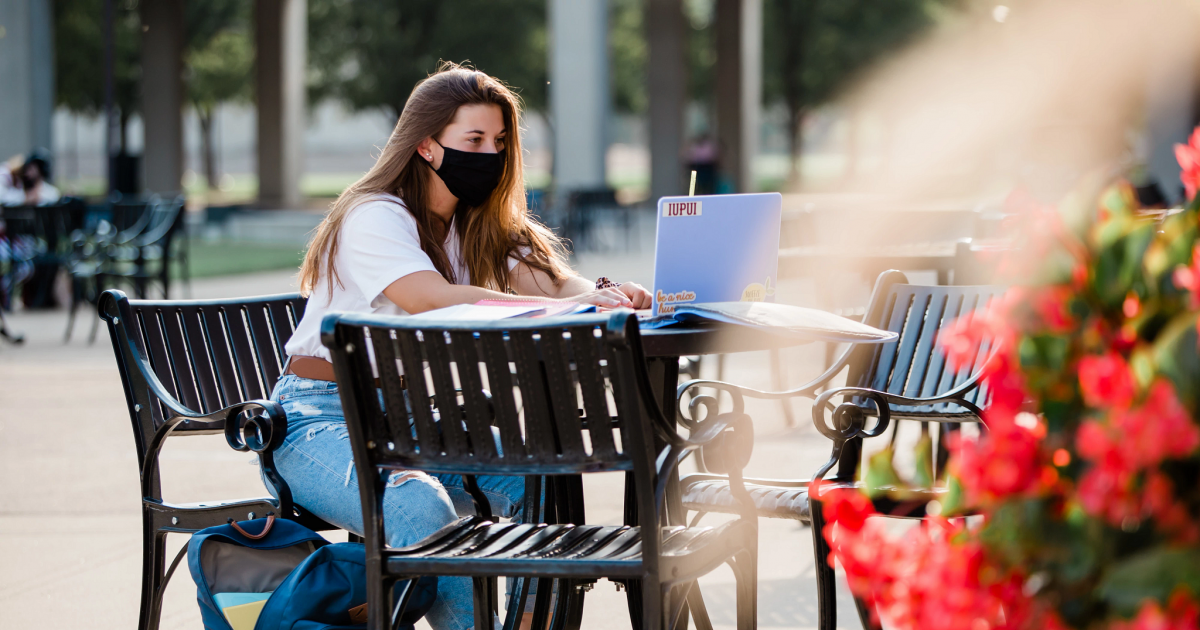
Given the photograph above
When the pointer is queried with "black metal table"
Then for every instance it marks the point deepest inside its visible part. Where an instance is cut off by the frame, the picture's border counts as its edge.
(663, 348)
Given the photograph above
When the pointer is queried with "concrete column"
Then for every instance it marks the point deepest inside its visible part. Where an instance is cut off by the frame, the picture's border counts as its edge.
(281, 40)
(666, 86)
(27, 76)
(162, 94)
(579, 92)
(739, 89)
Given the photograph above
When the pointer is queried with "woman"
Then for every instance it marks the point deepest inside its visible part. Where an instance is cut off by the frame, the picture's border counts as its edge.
(439, 220)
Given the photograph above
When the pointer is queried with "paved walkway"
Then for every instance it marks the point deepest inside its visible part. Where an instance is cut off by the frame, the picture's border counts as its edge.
(69, 517)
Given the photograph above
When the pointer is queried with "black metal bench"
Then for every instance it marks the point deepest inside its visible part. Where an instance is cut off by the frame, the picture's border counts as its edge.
(137, 255)
(200, 368)
(585, 405)
(902, 380)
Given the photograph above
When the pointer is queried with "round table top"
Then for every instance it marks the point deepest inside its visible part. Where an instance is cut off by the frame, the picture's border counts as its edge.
(712, 338)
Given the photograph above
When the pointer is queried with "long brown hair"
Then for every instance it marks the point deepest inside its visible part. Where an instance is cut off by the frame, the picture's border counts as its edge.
(489, 234)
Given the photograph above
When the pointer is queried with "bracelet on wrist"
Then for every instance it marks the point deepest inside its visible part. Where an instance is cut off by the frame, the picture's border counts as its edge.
(604, 283)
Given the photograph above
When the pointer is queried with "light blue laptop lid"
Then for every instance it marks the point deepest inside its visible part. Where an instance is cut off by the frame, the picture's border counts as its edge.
(716, 248)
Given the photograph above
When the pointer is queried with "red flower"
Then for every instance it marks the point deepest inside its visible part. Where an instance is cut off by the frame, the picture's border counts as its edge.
(1004, 463)
(1051, 306)
(1132, 305)
(1107, 492)
(1182, 613)
(936, 576)
(960, 341)
(1187, 277)
(1158, 429)
(845, 506)
(1188, 156)
(1132, 441)
(1106, 381)
(1170, 516)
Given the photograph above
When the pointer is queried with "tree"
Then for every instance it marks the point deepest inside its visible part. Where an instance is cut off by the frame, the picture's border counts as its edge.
(815, 48)
(627, 46)
(79, 58)
(219, 62)
(628, 52)
(370, 53)
(218, 73)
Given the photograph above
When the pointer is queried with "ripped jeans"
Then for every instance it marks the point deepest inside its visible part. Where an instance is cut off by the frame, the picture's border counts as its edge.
(316, 461)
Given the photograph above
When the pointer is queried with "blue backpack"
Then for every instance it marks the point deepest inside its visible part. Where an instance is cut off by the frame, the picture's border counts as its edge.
(287, 577)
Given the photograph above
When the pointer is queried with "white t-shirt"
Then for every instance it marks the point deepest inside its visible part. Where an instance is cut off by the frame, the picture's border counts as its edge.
(377, 246)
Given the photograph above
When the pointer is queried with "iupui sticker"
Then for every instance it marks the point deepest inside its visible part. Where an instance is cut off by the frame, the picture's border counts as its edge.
(681, 209)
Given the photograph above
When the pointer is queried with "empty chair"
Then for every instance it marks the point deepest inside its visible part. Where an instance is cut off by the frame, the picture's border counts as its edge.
(146, 258)
(906, 379)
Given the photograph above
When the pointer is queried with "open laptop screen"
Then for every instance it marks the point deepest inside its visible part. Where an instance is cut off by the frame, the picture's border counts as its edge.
(716, 248)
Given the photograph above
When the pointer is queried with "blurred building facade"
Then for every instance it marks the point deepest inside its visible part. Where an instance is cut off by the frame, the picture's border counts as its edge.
(26, 76)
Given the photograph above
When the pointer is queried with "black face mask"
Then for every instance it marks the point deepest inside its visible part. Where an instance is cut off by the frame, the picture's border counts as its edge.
(469, 176)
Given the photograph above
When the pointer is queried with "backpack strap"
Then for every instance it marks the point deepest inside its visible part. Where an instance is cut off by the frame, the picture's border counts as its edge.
(266, 528)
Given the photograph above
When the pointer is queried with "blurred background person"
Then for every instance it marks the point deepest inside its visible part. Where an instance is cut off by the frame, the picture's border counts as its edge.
(35, 181)
(702, 158)
(11, 191)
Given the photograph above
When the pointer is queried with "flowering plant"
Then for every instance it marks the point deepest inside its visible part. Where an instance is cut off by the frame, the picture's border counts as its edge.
(1087, 482)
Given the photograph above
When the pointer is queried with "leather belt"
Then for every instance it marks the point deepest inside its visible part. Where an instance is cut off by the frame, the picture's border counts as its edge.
(318, 369)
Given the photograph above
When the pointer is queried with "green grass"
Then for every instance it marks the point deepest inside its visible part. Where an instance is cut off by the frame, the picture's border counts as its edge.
(229, 258)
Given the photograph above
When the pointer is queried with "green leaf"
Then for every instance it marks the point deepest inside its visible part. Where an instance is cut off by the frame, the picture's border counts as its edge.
(1176, 356)
(881, 474)
(1122, 247)
(1142, 364)
(1153, 574)
(923, 457)
(955, 499)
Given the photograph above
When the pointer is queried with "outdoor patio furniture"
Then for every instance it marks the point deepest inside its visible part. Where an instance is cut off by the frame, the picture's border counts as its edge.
(902, 380)
(585, 209)
(147, 258)
(124, 219)
(41, 236)
(200, 368)
(139, 254)
(549, 369)
(127, 211)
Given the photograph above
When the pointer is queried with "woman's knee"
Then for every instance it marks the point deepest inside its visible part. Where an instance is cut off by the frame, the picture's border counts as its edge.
(415, 506)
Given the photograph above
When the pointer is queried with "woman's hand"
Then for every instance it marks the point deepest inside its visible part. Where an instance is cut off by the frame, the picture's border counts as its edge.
(637, 294)
(603, 298)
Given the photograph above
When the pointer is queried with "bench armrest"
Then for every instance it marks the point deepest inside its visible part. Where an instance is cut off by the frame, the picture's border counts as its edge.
(850, 427)
(729, 434)
(850, 419)
(263, 429)
(737, 392)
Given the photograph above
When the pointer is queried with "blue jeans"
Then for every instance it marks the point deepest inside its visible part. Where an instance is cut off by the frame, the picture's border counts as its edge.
(316, 462)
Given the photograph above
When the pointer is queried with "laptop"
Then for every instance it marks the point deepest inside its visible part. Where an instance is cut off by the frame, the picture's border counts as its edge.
(716, 248)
